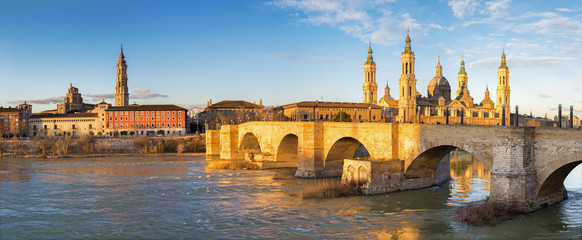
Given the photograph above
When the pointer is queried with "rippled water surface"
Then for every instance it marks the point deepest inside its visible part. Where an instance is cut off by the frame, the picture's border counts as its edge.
(178, 198)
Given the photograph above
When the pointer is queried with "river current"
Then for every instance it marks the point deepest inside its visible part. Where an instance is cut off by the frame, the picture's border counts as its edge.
(176, 197)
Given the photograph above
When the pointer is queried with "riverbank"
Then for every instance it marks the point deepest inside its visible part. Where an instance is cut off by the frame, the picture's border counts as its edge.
(88, 146)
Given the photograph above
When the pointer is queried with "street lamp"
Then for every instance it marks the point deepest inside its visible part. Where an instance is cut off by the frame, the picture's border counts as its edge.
(559, 115)
(516, 115)
(462, 114)
(571, 116)
(503, 115)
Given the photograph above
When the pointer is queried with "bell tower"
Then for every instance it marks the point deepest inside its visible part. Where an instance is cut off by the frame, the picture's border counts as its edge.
(121, 90)
(462, 77)
(370, 88)
(503, 91)
(407, 82)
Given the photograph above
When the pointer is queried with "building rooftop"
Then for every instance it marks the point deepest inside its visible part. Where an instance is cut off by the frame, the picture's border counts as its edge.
(331, 105)
(233, 104)
(67, 115)
(10, 109)
(136, 107)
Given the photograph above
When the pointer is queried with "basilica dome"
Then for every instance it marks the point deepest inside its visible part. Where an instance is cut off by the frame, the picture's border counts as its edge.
(439, 86)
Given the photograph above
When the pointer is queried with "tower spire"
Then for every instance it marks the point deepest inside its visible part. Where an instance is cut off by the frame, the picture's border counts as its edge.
(407, 48)
(121, 56)
(439, 68)
(370, 58)
(503, 63)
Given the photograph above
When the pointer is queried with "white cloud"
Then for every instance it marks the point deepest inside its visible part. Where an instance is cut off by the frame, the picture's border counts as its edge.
(51, 100)
(99, 97)
(553, 25)
(496, 8)
(544, 95)
(518, 61)
(145, 94)
(462, 8)
(366, 20)
(565, 10)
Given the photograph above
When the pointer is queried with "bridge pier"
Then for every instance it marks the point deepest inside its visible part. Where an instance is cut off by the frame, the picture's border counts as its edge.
(213, 143)
(229, 142)
(513, 176)
(384, 176)
(310, 153)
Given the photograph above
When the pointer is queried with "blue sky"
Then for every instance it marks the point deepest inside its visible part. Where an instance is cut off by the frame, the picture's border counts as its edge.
(282, 51)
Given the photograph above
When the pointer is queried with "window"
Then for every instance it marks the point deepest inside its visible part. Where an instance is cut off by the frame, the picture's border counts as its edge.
(115, 118)
(173, 125)
(131, 113)
(163, 125)
(179, 125)
(163, 118)
(90, 126)
(174, 113)
(142, 118)
(126, 125)
(131, 118)
(147, 113)
(147, 118)
(147, 125)
(115, 113)
(120, 113)
(141, 112)
(168, 112)
(158, 118)
(125, 118)
(152, 112)
(179, 118)
(180, 113)
(158, 113)
(174, 118)
(158, 125)
(110, 118)
(142, 125)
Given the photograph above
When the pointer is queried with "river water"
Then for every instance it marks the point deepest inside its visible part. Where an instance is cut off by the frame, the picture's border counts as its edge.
(176, 197)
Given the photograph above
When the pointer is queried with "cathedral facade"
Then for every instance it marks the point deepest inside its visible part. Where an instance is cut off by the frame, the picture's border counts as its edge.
(438, 107)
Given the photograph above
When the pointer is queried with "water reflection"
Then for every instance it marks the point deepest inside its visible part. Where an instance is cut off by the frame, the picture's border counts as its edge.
(188, 201)
(470, 179)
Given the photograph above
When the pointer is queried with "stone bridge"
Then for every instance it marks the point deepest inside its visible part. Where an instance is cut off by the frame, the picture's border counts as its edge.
(527, 164)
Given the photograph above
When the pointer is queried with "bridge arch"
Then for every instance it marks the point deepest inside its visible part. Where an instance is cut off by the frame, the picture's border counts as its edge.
(249, 143)
(551, 179)
(343, 148)
(425, 163)
(288, 148)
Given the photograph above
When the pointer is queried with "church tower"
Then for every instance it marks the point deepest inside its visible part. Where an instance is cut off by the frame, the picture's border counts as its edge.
(503, 91)
(370, 87)
(407, 82)
(121, 92)
(462, 77)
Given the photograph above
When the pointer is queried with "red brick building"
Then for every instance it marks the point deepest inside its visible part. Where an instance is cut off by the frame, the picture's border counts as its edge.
(15, 121)
(146, 120)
